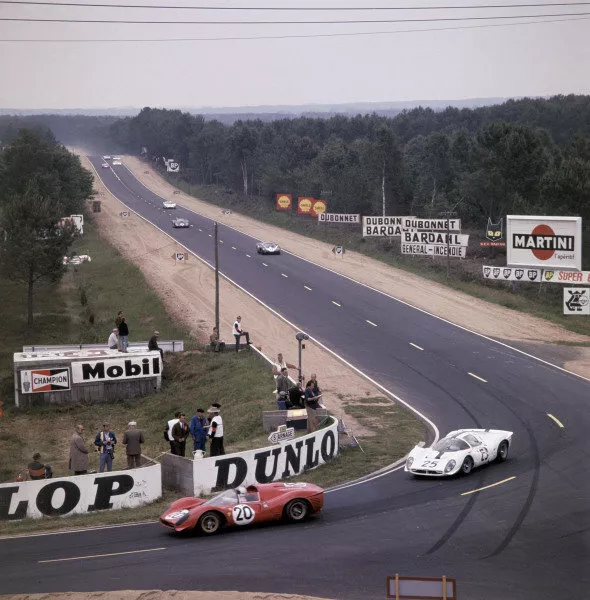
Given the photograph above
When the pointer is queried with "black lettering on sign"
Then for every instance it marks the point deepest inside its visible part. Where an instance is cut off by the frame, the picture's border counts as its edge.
(5, 499)
(223, 466)
(45, 497)
(116, 370)
(312, 459)
(261, 459)
(328, 454)
(292, 459)
(132, 369)
(105, 490)
(89, 373)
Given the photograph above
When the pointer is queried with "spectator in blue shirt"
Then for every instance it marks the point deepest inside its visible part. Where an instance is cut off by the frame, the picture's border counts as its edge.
(198, 428)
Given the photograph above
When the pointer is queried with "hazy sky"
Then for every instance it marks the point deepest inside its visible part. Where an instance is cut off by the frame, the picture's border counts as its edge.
(499, 61)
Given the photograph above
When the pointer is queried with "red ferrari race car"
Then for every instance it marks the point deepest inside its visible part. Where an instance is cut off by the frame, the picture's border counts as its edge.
(244, 505)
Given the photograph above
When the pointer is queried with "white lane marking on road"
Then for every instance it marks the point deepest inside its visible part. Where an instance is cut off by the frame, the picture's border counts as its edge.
(210, 235)
(248, 256)
(233, 248)
(200, 229)
(416, 346)
(477, 376)
(264, 265)
(336, 303)
(100, 555)
(559, 423)
(371, 323)
(323, 346)
(485, 487)
(283, 275)
(77, 530)
(307, 288)
(220, 241)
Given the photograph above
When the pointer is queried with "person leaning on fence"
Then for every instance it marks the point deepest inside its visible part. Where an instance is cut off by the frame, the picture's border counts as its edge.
(311, 404)
(133, 439)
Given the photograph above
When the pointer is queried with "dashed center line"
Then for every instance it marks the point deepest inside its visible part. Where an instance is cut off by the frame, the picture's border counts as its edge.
(233, 248)
(477, 377)
(307, 288)
(371, 323)
(416, 346)
(336, 303)
(559, 423)
(489, 486)
(210, 235)
(220, 241)
(283, 275)
(248, 256)
(200, 229)
(264, 264)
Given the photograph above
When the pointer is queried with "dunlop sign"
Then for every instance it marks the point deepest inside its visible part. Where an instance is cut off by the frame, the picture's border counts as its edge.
(547, 242)
(383, 226)
(116, 368)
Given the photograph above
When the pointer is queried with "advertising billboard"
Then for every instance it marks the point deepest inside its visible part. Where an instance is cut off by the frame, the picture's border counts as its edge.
(284, 202)
(304, 205)
(547, 242)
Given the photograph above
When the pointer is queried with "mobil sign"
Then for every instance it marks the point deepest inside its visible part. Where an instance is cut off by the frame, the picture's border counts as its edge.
(549, 242)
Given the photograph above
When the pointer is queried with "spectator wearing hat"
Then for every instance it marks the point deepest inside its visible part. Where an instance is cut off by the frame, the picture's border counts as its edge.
(153, 344)
(113, 342)
(78, 452)
(133, 439)
(216, 431)
(198, 428)
(105, 442)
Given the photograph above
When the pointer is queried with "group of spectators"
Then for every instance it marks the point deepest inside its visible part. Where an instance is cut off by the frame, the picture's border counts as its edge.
(201, 428)
(119, 338)
(218, 345)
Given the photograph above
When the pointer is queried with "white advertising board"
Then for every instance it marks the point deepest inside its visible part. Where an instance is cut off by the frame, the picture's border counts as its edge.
(576, 301)
(66, 496)
(560, 276)
(547, 242)
(266, 464)
(383, 226)
(133, 367)
(36, 381)
(512, 274)
(434, 237)
(434, 250)
(432, 224)
(338, 218)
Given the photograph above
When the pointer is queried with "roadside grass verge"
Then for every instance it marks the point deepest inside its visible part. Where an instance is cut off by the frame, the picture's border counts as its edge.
(540, 300)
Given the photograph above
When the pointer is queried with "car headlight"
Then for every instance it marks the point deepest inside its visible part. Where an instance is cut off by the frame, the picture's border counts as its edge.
(177, 515)
(409, 461)
(450, 466)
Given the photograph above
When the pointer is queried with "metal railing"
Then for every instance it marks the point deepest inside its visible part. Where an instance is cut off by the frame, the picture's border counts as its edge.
(166, 345)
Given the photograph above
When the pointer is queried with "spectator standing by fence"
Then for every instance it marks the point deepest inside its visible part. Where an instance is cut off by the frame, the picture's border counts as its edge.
(105, 442)
(180, 432)
(168, 430)
(216, 433)
(239, 332)
(311, 404)
(133, 439)
(78, 452)
(198, 428)
(123, 335)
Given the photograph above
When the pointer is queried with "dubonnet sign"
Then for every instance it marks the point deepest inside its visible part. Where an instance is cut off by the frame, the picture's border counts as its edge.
(266, 464)
(547, 242)
(80, 494)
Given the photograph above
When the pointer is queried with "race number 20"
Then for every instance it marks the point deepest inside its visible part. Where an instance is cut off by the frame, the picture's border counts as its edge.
(242, 514)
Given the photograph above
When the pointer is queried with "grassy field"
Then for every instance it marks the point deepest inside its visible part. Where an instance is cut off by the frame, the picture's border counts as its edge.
(545, 301)
(81, 309)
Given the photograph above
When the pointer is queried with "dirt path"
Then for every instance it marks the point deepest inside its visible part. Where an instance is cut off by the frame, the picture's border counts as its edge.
(159, 595)
(188, 293)
(475, 314)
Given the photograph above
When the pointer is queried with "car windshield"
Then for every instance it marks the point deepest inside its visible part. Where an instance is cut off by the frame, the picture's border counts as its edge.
(225, 498)
(450, 445)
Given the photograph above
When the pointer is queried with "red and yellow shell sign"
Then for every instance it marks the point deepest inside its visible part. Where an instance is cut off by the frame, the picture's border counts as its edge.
(319, 207)
(284, 202)
(305, 205)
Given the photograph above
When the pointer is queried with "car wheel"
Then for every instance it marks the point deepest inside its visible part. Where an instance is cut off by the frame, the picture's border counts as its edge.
(467, 466)
(502, 454)
(209, 523)
(297, 510)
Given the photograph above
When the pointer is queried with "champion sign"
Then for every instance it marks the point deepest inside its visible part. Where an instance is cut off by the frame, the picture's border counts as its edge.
(551, 242)
(45, 380)
(117, 368)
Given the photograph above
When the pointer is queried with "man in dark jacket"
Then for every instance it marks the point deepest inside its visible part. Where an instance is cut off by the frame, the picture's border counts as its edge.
(133, 439)
(37, 470)
(153, 344)
(180, 432)
(123, 334)
(283, 385)
(105, 442)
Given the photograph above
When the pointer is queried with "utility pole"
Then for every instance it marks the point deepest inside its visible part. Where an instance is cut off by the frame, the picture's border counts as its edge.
(448, 214)
(216, 281)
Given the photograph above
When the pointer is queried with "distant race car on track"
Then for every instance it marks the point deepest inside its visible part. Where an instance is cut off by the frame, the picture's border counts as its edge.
(105, 165)
(268, 248)
(106, 157)
(242, 506)
(460, 451)
(116, 162)
(168, 204)
(180, 222)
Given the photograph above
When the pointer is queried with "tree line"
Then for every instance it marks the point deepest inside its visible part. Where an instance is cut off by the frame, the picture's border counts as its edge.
(40, 183)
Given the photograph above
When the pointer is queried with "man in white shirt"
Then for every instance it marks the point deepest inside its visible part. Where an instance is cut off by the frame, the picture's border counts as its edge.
(171, 424)
(113, 342)
(216, 433)
(280, 365)
(239, 332)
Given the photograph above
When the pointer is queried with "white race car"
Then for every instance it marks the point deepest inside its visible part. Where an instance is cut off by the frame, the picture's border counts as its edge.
(105, 165)
(268, 248)
(168, 204)
(116, 162)
(180, 222)
(106, 157)
(460, 451)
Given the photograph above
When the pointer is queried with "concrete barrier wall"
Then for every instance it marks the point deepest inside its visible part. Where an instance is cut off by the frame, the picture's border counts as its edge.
(266, 464)
(177, 473)
(65, 496)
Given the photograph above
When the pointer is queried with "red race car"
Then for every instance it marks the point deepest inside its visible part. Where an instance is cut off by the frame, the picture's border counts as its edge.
(243, 506)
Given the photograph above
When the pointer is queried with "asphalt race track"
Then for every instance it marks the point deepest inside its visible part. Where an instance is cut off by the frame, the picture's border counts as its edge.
(526, 538)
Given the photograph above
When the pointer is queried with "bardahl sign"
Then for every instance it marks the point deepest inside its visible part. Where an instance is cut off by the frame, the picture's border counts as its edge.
(549, 242)
(266, 464)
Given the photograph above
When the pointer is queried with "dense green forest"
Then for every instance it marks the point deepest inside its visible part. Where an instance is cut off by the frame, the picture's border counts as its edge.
(523, 156)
